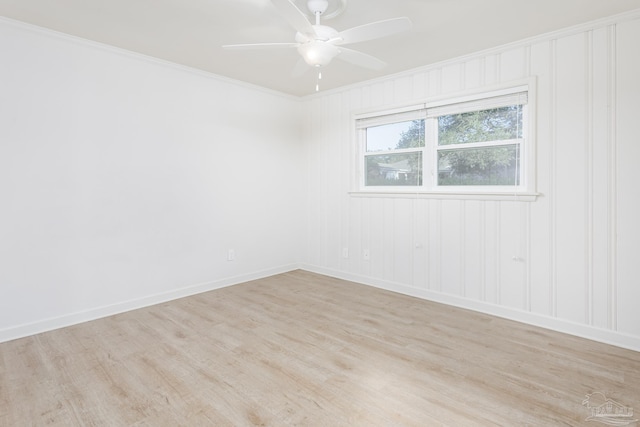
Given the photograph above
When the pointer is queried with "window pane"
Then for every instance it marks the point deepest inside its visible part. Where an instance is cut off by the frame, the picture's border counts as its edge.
(481, 126)
(409, 134)
(394, 169)
(480, 166)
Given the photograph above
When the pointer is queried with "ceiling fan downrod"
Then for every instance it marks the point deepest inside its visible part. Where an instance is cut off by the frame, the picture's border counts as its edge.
(317, 8)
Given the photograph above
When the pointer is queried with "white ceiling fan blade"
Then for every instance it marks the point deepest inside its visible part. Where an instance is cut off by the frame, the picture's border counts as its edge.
(248, 46)
(294, 17)
(374, 30)
(360, 59)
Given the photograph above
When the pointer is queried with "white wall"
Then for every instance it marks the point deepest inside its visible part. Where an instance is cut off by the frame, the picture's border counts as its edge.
(125, 180)
(578, 241)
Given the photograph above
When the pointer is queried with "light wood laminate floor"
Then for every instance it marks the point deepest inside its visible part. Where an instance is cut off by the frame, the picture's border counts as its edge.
(301, 349)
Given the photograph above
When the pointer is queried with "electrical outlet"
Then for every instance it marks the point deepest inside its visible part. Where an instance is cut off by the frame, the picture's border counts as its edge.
(231, 255)
(365, 254)
(345, 252)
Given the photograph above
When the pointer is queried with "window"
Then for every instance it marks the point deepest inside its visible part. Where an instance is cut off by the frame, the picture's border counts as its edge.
(472, 144)
(394, 147)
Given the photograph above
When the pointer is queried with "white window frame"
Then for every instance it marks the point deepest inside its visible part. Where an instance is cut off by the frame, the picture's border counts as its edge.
(431, 109)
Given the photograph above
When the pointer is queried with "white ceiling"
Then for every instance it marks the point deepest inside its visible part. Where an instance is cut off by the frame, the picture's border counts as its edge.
(191, 32)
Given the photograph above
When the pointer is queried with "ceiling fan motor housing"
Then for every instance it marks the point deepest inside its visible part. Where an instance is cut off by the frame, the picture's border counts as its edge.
(317, 51)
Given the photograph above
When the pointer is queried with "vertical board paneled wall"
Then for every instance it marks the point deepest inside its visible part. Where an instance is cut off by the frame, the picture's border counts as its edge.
(565, 260)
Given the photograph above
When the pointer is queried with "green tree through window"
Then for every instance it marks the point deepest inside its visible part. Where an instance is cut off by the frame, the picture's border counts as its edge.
(495, 165)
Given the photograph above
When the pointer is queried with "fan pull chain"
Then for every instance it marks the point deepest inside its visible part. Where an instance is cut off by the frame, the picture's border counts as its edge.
(318, 81)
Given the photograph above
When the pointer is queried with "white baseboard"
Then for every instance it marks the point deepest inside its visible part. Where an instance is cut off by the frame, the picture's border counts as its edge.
(49, 324)
(618, 339)
(615, 338)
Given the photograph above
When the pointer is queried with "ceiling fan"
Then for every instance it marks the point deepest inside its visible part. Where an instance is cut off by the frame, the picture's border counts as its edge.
(319, 44)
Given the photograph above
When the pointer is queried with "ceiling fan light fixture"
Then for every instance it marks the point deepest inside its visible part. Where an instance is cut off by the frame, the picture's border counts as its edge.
(317, 53)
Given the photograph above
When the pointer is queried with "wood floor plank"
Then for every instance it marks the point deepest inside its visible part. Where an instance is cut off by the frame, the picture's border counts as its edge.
(301, 349)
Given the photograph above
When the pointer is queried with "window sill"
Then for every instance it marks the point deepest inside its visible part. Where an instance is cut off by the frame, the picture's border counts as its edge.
(451, 195)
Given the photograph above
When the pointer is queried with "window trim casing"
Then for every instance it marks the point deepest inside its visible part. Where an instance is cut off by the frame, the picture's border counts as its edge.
(526, 191)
